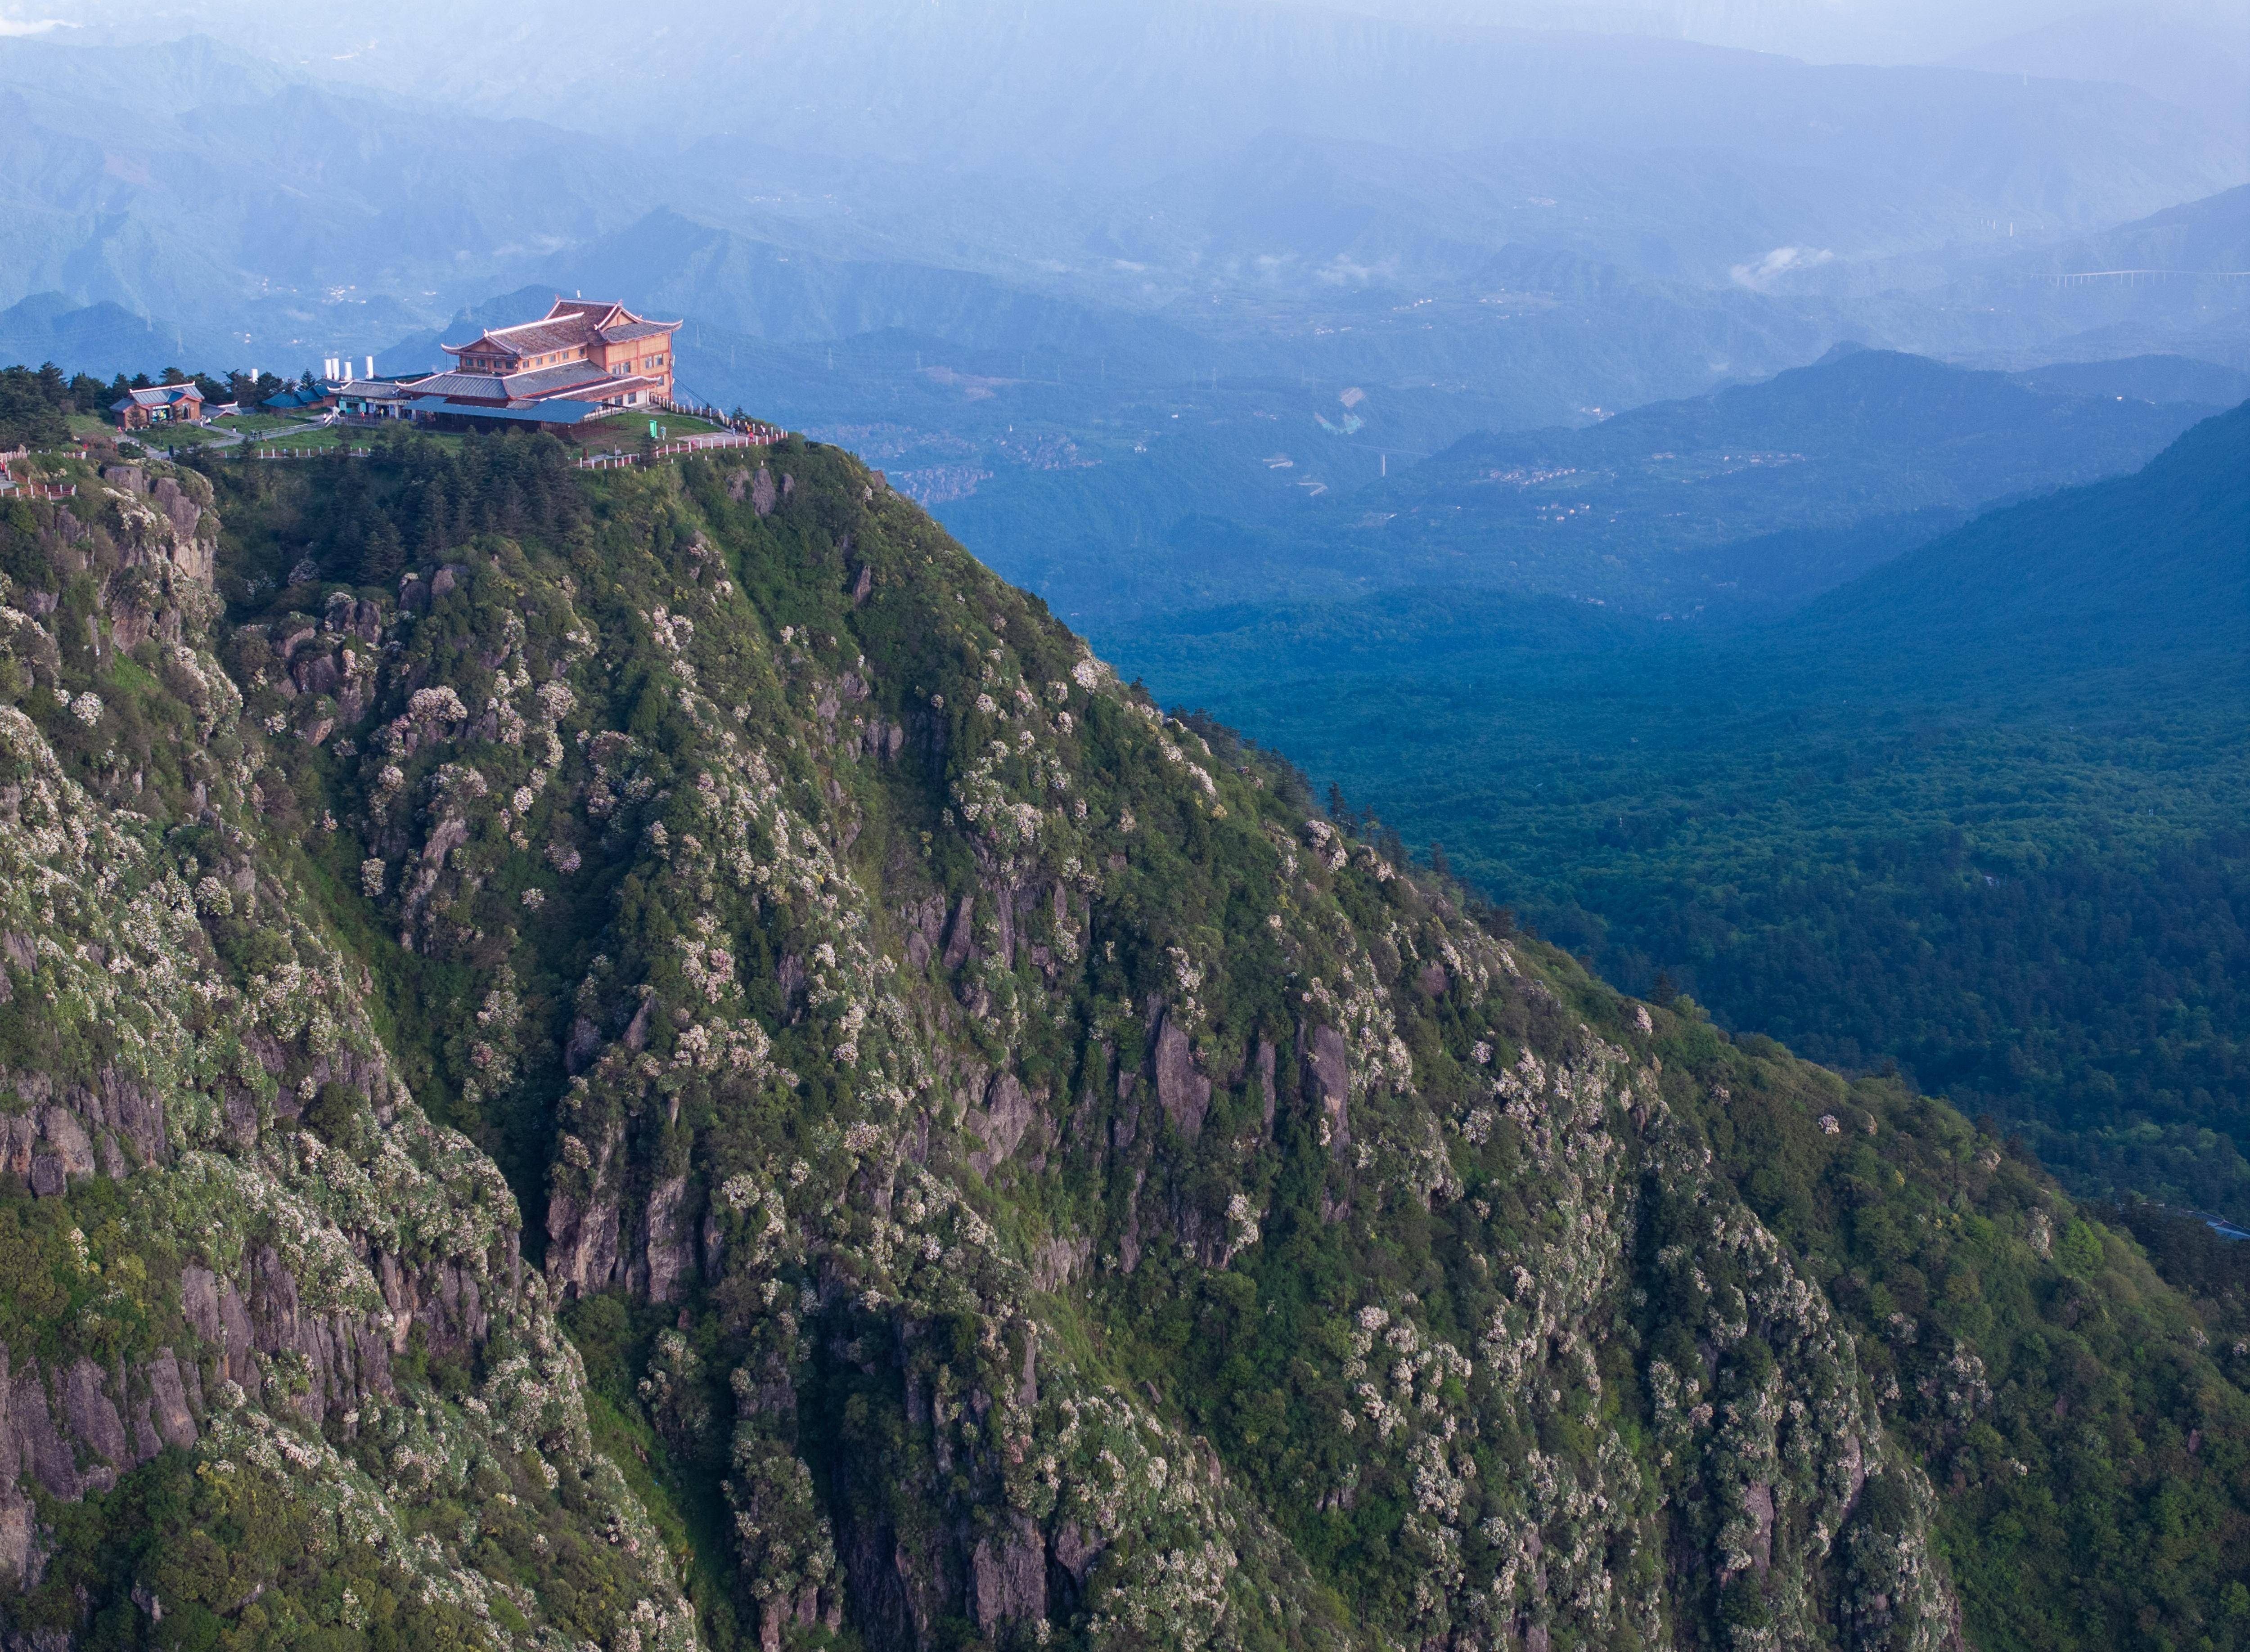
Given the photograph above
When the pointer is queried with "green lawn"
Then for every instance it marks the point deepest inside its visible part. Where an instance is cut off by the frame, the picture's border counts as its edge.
(304, 438)
(262, 424)
(632, 428)
(173, 436)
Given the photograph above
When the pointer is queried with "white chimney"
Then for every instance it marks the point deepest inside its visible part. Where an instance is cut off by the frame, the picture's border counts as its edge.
(371, 367)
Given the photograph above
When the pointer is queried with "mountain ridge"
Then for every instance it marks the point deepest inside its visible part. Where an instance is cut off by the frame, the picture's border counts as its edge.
(1020, 1174)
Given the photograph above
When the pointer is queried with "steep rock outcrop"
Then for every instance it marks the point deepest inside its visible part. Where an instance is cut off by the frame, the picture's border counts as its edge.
(241, 1239)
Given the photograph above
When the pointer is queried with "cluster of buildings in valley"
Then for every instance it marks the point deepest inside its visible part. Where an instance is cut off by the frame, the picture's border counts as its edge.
(585, 360)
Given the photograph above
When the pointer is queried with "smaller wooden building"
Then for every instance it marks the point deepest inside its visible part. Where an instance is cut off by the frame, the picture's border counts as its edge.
(159, 404)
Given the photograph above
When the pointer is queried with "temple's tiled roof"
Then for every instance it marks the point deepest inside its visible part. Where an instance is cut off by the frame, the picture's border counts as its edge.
(535, 338)
(626, 333)
(478, 384)
(553, 380)
(571, 324)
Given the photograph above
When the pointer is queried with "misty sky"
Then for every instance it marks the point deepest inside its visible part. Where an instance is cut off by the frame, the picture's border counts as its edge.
(1856, 31)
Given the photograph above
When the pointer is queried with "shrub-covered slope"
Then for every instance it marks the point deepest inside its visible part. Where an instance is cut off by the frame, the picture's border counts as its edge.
(1015, 1174)
(272, 1371)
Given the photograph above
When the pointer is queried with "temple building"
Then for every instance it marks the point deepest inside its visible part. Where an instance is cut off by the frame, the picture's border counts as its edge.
(584, 359)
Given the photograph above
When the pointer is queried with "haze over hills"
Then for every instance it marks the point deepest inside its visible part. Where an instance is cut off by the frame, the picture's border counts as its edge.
(1719, 507)
(1313, 175)
(2197, 59)
(372, 40)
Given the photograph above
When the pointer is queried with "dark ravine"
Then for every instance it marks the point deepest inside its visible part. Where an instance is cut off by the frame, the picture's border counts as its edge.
(1013, 1172)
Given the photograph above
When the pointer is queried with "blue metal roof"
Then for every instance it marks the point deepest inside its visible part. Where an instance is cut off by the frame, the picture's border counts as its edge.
(538, 413)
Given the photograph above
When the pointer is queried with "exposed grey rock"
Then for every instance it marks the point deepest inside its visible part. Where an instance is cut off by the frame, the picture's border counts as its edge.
(1329, 1072)
(1056, 1261)
(958, 939)
(1010, 1574)
(585, 1044)
(18, 1133)
(176, 1424)
(182, 512)
(39, 1446)
(582, 1251)
(315, 673)
(92, 1417)
(1008, 1112)
(1262, 1064)
(670, 1239)
(1757, 1500)
(67, 1141)
(1074, 1553)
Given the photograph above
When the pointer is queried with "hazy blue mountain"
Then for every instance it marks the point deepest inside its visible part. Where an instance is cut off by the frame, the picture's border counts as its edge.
(2147, 378)
(2196, 62)
(1201, 162)
(2143, 573)
(2211, 234)
(2173, 281)
(1112, 89)
(763, 290)
(92, 338)
(138, 85)
(259, 216)
(1722, 506)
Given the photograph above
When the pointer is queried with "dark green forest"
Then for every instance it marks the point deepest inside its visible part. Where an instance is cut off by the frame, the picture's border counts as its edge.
(1975, 818)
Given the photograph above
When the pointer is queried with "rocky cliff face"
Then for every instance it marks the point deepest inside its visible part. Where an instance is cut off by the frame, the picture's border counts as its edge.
(244, 1244)
(1029, 1177)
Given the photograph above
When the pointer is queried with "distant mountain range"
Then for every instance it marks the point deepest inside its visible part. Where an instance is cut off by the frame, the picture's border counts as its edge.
(2141, 574)
(1197, 363)
(1202, 154)
(2197, 62)
(1719, 507)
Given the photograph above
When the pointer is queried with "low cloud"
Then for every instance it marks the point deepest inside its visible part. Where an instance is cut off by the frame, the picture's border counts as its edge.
(1783, 260)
